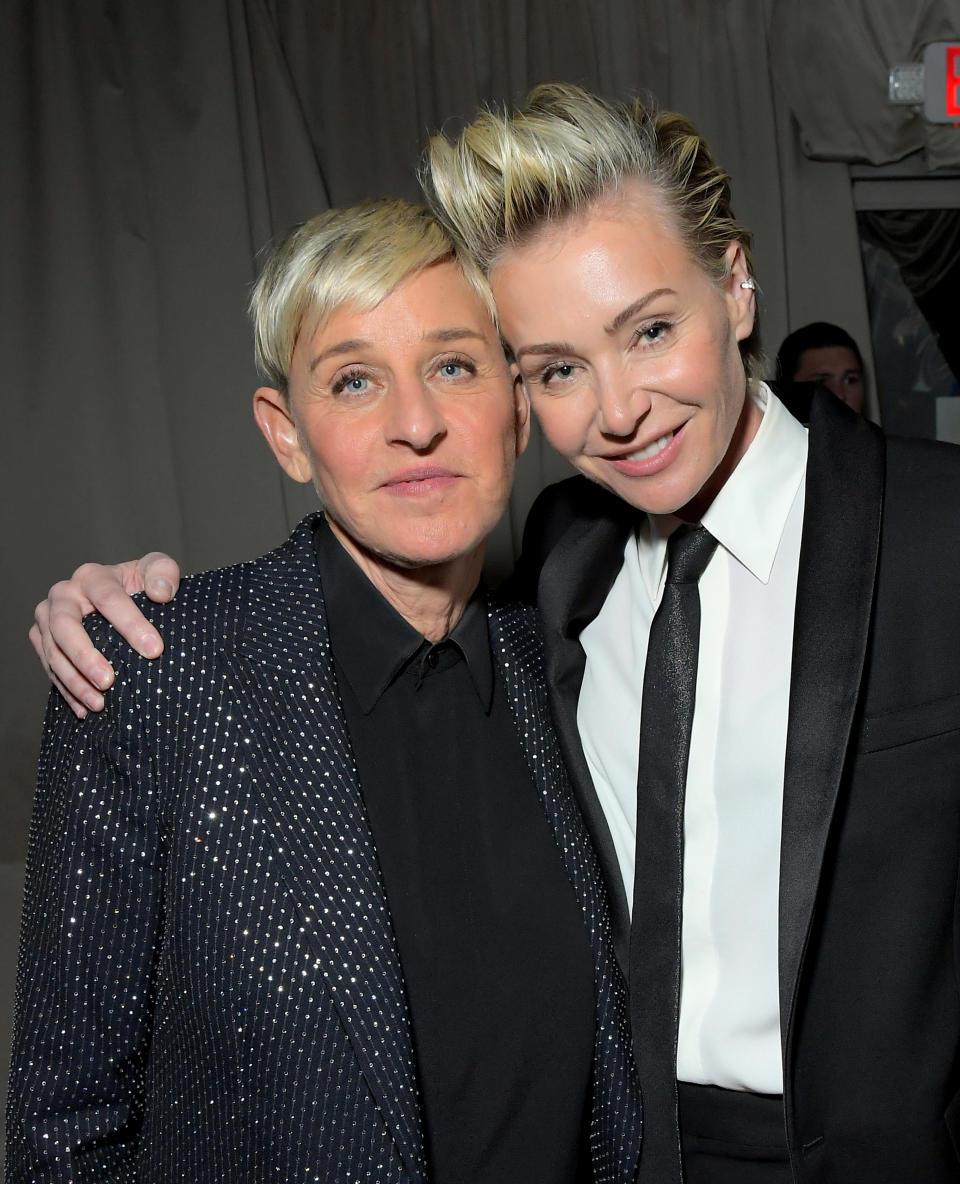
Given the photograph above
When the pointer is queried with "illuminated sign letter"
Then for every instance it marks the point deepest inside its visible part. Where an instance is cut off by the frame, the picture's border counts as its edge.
(941, 82)
(953, 81)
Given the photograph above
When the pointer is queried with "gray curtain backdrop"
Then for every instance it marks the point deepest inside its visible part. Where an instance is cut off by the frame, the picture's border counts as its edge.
(832, 58)
(151, 147)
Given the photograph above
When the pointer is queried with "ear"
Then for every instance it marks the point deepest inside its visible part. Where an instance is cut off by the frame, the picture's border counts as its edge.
(521, 406)
(741, 301)
(272, 413)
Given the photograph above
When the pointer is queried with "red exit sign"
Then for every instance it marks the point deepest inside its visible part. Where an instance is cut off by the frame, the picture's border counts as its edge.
(941, 82)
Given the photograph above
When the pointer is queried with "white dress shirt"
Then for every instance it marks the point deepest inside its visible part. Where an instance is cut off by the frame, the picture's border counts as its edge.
(729, 1000)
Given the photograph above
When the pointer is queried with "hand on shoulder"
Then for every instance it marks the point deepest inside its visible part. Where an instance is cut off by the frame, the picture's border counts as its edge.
(73, 665)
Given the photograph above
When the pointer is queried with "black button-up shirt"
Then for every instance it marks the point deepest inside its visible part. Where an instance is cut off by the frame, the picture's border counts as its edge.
(494, 951)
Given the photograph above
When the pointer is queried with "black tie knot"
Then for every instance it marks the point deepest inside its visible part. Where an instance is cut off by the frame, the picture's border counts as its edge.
(688, 553)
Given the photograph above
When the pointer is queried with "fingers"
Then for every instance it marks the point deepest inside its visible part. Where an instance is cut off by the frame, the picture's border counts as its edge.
(105, 589)
(68, 656)
(159, 576)
(75, 686)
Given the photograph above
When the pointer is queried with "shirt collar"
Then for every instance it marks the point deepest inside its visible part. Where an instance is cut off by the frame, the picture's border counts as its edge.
(748, 515)
(372, 643)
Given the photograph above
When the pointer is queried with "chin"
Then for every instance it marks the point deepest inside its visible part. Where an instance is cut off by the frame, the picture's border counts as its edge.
(662, 500)
(413, 554)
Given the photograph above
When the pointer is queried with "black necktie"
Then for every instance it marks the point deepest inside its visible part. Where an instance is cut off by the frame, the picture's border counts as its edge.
(669, 690)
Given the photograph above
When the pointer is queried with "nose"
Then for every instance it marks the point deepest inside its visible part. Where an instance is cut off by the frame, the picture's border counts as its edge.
(415, 417)
(621, 404)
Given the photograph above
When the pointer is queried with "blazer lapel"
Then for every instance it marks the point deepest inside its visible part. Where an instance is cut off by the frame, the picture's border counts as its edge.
(300, 759)
(835, 587)
(616, 1119)
(574, 583)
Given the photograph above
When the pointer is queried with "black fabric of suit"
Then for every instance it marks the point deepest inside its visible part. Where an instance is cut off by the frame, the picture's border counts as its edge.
(209, 986)
(496, 961)
(869, 922)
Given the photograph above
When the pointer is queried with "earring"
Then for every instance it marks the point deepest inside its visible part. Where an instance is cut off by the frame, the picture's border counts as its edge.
(749, 283)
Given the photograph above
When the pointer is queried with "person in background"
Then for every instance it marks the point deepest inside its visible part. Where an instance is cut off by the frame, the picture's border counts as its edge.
(311, 899)
(825, 353)
(757, 696)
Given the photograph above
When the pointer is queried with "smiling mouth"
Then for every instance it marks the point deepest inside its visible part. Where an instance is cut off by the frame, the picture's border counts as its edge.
(649, 450)
(651, 458)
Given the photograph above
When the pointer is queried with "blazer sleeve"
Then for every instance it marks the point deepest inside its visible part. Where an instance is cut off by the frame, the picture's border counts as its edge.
(89, 935)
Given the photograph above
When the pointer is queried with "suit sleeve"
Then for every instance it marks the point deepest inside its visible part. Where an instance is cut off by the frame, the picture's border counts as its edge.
(89, 935)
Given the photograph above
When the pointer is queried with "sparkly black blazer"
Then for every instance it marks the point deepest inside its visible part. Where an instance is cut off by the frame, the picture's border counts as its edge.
(209, 987)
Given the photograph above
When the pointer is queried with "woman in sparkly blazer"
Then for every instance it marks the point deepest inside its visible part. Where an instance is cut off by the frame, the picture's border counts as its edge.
(222, 976)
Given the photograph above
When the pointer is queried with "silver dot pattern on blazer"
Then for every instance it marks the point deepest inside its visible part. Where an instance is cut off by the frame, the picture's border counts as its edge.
(615, 1125)
(209, 988)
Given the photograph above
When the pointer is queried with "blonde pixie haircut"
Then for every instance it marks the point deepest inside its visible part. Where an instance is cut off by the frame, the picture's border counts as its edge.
(509, 174)
(356, 255)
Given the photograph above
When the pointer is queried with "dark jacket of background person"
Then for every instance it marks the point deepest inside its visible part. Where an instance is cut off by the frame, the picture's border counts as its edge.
(870, 849)
(209, 986)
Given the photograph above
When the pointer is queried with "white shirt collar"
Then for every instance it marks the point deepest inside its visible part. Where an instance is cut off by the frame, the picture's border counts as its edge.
(748, 515)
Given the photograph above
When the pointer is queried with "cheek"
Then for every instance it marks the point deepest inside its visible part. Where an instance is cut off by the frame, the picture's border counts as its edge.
(562, 428)
(339, 461)
(488, 434)
(726, 383)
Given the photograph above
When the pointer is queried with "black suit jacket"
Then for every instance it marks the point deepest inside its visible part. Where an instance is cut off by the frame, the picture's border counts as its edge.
(209, 987)
(869, 954)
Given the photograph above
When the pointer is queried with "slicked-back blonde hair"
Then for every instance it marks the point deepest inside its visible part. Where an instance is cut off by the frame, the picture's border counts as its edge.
(509, 174)
(355, 255)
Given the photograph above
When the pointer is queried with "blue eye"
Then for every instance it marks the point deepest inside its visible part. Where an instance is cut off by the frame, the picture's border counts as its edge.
(456, 368)
(353, 382)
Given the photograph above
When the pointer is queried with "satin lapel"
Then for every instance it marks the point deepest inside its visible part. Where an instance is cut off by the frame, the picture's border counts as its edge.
(838, 565)
(301, 762)
(574, 583)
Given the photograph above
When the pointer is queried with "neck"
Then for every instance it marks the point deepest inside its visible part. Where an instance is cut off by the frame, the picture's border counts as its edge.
(432, 598)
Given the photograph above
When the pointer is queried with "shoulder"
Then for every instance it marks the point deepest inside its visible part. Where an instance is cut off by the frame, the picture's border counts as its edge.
(209, 613)
(559, 505)
(912, 468)
(207, 605)
(923, 463)
(922, 492)
(556, 509)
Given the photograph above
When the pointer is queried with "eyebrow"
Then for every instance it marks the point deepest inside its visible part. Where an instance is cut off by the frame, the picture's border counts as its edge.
(633, 309)
(352, 344)
(627, 314)
(545, 347)
(341, 347)
(455, 334)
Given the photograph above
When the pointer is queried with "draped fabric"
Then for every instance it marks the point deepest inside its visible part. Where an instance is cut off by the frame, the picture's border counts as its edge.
(925, 244)
(832, 60)
(914, 322)
(151, 149)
